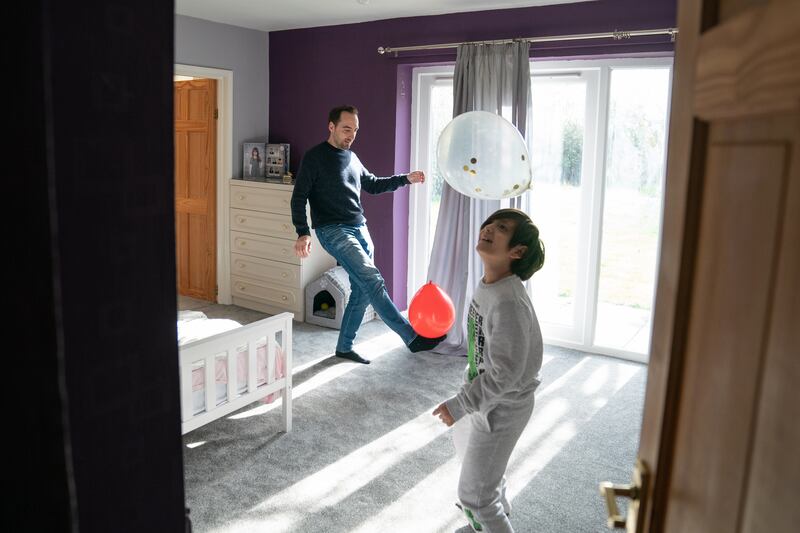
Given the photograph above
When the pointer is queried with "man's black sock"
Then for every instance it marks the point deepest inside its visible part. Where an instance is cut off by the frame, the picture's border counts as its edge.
(353, 356)
(421, 344)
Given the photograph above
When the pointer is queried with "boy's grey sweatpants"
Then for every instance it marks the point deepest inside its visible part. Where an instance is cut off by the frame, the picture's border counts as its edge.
(484, 455)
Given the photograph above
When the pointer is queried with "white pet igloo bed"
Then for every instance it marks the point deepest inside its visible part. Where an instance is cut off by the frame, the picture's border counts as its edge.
(327, 297)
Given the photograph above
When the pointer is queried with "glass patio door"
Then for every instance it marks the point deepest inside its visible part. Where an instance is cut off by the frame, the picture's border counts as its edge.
(597, 145)
(632, 207)
(562, 142)
(598, 148)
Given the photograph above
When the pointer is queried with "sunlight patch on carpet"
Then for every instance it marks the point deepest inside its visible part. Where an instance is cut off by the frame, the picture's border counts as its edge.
(376, 347)
(332, 484)
(545, 437)
(430, 504)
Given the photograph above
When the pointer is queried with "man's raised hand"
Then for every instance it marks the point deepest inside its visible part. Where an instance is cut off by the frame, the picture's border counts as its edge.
(416, 177)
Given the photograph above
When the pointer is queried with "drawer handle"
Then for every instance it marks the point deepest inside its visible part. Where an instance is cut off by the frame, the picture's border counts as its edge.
(243, 243)
(286, 226)
(283, 251)
(283, 274)
(241, 219)
(240, 197)
(284, 298)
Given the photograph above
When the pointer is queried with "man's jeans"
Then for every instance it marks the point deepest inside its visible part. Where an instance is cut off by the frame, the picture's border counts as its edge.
(352, 247)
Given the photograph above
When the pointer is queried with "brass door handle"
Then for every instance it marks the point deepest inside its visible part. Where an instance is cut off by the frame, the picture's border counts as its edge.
(636, 491)
(610, 492)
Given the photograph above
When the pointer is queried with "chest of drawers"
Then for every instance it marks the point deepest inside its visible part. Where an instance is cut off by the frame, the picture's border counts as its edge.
(265, 273)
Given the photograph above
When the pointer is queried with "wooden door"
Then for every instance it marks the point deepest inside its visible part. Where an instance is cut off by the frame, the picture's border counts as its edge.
(721, 427)
(195, 188)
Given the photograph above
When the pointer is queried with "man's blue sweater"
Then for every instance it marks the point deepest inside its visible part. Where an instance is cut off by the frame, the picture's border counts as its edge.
(331, 180)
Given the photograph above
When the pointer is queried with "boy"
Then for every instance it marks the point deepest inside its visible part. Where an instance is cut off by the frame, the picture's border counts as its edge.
(503, 362)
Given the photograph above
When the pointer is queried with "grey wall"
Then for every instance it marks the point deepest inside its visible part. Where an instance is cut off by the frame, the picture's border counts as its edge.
(245, 52)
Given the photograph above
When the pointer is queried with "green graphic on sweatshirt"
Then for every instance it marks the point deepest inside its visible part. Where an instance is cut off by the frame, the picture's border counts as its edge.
(473, 368)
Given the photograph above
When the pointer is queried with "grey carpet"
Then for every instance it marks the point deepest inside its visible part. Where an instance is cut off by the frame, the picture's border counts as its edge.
(366, 455)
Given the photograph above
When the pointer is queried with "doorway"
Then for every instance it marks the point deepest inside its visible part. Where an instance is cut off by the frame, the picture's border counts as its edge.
(195, 187)
(223, 168)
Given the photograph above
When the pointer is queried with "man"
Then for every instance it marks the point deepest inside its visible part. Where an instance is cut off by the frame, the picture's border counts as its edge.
(331, 178)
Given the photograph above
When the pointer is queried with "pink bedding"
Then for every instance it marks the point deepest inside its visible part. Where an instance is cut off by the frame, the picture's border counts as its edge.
(221, 371)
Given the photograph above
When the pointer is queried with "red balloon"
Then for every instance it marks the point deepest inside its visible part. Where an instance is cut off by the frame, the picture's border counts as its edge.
(431, 312)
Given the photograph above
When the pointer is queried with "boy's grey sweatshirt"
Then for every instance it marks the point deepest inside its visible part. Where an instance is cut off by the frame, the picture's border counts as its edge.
(506, 342)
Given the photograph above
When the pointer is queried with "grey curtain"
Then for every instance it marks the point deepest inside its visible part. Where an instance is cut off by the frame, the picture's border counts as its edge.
(494, 78)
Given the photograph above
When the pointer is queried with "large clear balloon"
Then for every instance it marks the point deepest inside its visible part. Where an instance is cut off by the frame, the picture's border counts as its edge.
(483, 155)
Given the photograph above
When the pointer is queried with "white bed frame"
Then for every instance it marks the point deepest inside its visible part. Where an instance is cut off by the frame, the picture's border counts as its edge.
(227, 343)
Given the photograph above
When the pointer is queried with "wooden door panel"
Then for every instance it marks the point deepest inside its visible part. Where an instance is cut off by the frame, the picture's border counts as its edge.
(199, 171)
(181, 164)
(199, 275)
(728, 317)
(195, 206)
(195, 187)
(182, 252)
(774, 478)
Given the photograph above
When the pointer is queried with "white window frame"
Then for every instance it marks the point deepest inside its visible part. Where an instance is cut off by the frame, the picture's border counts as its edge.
(419, 242)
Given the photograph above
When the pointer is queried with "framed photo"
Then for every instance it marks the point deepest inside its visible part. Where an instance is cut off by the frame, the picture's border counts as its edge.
(277, 160)
(254, 164)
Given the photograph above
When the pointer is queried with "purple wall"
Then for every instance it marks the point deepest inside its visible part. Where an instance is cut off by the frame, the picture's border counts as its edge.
(314, 69)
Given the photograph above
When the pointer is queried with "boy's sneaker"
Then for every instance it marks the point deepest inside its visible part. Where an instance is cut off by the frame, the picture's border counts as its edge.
(473, 522)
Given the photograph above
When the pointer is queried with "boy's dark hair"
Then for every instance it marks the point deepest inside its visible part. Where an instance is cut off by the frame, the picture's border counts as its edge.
(526, 234)
(336, 113)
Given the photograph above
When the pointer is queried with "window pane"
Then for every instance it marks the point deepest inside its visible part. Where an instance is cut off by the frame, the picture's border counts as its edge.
(441, 113)
(632, 207)
(556, 149)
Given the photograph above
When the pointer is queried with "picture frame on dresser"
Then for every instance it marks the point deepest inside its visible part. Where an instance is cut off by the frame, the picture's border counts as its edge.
(277, 160)
(254, 160)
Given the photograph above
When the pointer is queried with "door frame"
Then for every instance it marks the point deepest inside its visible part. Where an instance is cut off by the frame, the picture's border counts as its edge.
(224, 168)
(679, 233)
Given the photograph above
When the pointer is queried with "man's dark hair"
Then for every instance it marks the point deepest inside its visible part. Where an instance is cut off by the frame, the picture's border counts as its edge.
(526, 234)
(336, 113)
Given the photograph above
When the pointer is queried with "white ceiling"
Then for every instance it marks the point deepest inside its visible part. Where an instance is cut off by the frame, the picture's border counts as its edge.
(272, 15)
